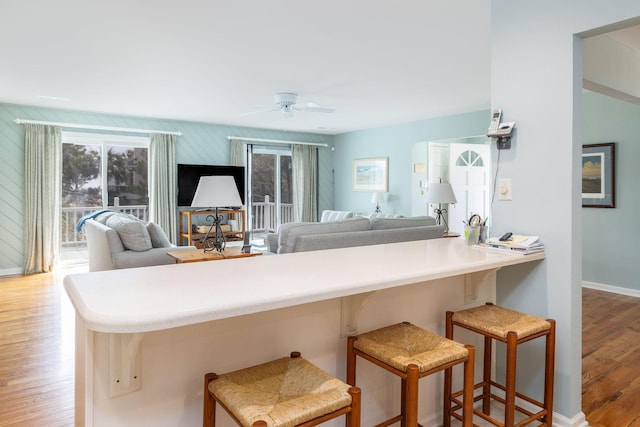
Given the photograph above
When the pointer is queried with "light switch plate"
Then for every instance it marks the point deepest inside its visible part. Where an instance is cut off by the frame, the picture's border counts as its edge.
(504, 189)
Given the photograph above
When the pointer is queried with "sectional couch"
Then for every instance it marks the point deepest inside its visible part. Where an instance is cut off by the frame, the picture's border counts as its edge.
(357, 231)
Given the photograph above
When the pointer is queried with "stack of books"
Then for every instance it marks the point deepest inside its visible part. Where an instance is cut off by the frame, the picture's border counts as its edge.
(516, 243)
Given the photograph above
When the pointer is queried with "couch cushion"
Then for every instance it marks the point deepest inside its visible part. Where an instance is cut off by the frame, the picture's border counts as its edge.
(288, 233)
(387, 223)
(328, 215)
(158, 238)
(133, 233)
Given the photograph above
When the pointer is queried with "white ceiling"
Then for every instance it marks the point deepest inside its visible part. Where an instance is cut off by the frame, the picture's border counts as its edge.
(377, 62)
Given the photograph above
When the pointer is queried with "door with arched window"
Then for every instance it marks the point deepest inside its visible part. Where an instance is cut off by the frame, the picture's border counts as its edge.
(469, 169)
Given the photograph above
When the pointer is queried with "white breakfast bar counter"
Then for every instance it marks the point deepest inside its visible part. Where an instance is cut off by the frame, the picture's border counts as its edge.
(145, 337)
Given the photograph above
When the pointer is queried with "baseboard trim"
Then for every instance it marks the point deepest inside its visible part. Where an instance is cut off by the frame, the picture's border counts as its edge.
(579, 420)
(612, 289)
(10, 271)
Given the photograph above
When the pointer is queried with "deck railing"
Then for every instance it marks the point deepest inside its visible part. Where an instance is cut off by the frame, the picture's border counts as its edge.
(264, 217)
(70, 238)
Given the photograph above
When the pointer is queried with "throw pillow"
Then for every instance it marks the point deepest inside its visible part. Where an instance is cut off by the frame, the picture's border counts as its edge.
(328, 215)
(158, 238)
(132, 232)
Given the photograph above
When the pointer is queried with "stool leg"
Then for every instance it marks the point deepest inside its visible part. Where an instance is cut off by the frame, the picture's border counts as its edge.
(448, 373)
(410, 404)
(549, 373)
(467, 403)
(353, 418)
(486, 376)
(510, 380)
(351, 362)
(209, 413)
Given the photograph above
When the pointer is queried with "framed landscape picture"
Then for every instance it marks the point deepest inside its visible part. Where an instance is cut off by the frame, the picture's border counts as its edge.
(371, 174)
(599, 175)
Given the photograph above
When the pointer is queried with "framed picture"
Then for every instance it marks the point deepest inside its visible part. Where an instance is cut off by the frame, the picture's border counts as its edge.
(371, 174)
(599, 175)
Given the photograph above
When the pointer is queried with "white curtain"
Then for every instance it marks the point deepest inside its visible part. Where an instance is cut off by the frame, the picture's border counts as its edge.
(42, 182)
(163, 184)
(237, 153)
(304, 159)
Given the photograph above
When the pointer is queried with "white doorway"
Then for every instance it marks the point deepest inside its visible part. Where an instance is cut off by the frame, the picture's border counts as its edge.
(470, 177)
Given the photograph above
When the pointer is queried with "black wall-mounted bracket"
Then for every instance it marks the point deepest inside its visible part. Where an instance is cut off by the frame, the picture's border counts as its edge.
(504, 142)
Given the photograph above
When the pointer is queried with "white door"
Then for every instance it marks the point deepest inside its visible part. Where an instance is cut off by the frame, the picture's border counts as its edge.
(470, 177)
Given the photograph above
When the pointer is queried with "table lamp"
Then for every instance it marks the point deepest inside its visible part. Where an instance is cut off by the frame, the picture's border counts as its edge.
(216, 192)
(377, 198)
(440, 192)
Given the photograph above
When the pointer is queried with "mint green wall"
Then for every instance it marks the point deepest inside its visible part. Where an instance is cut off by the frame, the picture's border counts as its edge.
(609, 254)
(200, 143)
(396, 143)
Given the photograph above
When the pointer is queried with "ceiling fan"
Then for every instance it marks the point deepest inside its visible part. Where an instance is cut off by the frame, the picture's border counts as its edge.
(287, 103)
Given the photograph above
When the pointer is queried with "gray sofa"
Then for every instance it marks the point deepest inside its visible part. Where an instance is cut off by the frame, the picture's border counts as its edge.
(358, 231)
(118, 240)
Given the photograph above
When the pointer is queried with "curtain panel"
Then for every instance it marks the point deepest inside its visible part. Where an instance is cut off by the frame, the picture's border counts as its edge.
(237, 153)
(42, 189)
(304, 159)
(163, 184)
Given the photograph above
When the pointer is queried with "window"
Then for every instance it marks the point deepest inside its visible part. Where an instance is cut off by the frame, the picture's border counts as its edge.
(470, 158)
(101, 172)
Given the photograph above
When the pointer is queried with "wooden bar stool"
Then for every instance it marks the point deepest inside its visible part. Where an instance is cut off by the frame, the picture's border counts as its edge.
(286, 392)
(513, 328)
(411, 353)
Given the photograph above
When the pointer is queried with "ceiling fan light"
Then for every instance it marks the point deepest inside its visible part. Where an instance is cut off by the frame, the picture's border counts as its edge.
(287, 112)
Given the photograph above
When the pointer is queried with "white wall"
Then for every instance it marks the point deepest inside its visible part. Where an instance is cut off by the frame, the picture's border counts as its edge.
(536, 78)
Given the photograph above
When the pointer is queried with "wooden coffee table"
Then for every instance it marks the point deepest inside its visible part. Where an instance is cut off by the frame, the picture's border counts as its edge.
(198, 255)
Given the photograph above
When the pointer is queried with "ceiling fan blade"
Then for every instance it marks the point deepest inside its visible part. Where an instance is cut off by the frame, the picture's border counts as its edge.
(260, 111)
(315, 109)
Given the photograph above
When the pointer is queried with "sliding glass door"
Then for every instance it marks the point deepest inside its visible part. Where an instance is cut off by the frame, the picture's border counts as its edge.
(271, 193)
(100, 172)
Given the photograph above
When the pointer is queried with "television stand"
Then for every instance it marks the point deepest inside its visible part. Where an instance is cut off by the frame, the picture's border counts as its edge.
(188, 237)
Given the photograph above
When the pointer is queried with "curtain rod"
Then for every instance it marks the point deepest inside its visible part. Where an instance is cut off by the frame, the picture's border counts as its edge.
(95, 127)
(277, 141)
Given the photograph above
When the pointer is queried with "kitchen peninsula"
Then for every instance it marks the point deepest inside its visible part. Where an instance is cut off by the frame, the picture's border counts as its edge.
(145, 337)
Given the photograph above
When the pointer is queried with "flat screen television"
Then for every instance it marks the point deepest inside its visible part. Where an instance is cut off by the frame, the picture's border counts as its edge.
(189, 176)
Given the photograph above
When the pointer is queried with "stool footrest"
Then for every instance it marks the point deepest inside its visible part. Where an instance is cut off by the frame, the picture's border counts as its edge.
(390, 421)
(531, 416)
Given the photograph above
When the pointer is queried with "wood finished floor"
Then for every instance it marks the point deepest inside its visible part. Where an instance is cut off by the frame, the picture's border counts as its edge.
(36, 352)
(37, 339)
(610, 359)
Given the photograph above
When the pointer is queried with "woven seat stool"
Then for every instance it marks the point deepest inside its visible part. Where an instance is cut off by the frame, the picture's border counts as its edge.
(513, 328)
(286, 392)
(412, 353)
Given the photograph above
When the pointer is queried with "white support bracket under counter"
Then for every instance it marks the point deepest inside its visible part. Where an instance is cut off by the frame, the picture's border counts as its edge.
(351, 308)
(124, 363)
(473, 281)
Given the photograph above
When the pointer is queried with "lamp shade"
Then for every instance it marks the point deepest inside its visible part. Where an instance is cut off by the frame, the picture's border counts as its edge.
(377, 197)
(216, 192)
(440, 192)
